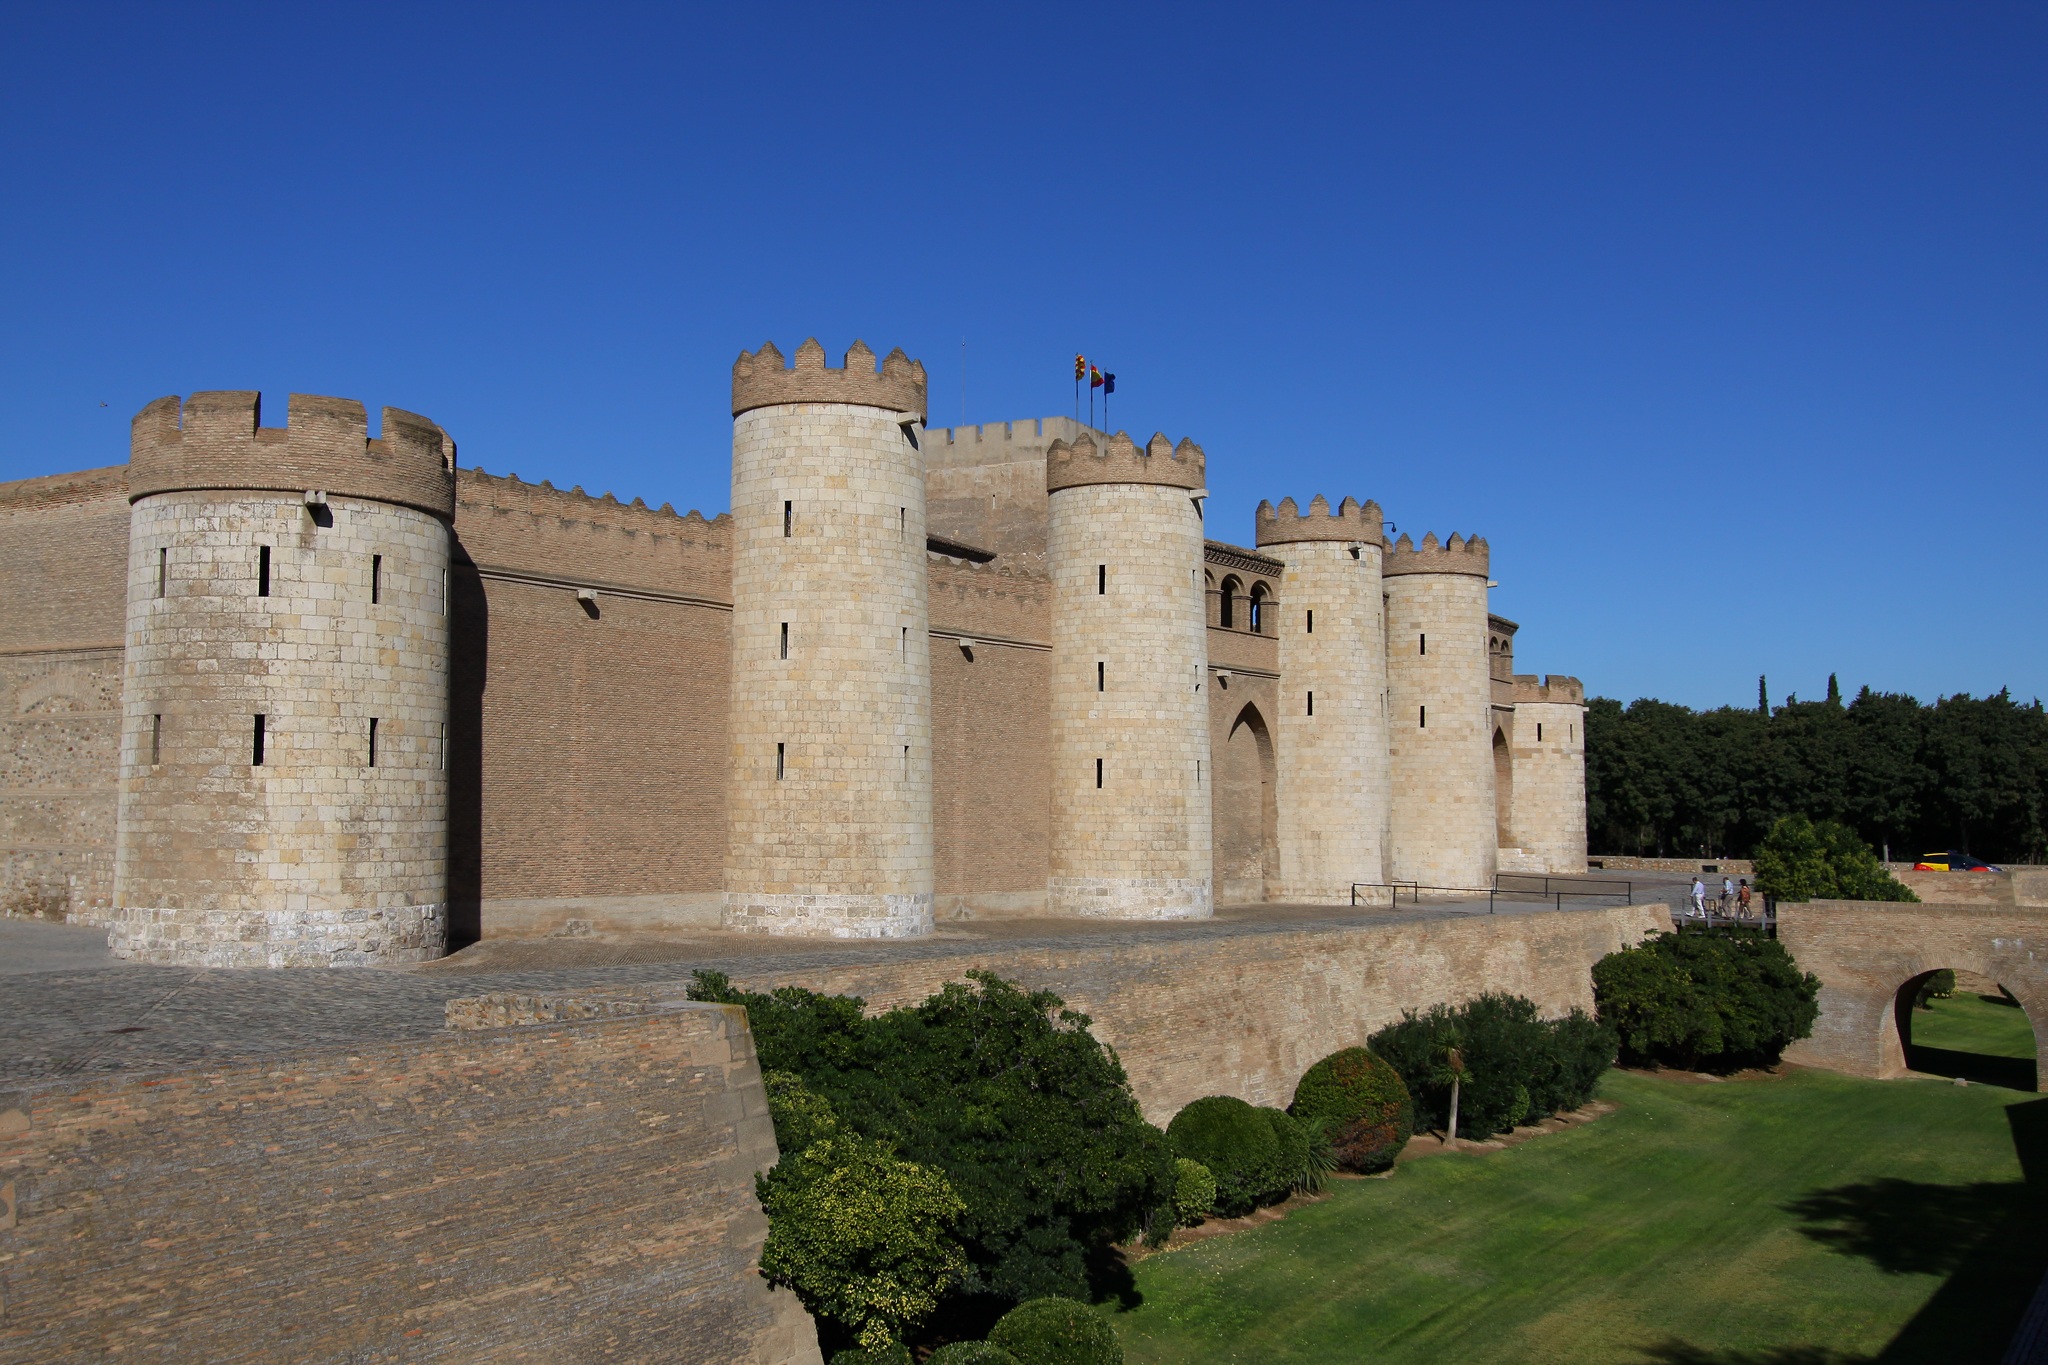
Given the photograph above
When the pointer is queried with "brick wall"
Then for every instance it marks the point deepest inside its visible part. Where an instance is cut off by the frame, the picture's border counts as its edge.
(63, 559)
(1247, 1013)
(568, 1192)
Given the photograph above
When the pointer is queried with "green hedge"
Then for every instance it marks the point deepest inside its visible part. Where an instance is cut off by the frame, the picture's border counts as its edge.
(1056, 1331)
(1194, 1192)
(895, 1353)
(1361, 1104)
(1803, 860)
(1518, 1065)
(1236, 1142)
(971, 1353)
(1704, 1000)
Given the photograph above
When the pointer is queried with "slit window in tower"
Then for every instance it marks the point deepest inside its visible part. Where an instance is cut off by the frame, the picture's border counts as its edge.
(163, 568)
(156, 740)
(1423, 646)
(1422, 717)
(785, 640)
(1539, 732)
(903, 642)
(778, 762)
(1101, 579)
(373, 741)
(903, 517)
(1311, 621)
(906, 763)
(1311, 703)
(1100, 669)
(376, 579)
(788, 519)
(256, 756)
(263, 571)
(1098, 774)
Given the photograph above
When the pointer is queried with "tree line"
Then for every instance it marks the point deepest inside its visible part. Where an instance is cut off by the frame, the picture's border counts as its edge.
(1969, 773)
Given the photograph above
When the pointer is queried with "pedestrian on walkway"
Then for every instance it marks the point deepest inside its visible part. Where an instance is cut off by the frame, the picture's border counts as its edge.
(1742, 899)
(1727, 893)
(1699, 899)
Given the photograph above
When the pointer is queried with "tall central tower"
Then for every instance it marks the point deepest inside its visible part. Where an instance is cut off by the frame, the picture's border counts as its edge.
(1130, 718)
(829, 807)
(1332, 766)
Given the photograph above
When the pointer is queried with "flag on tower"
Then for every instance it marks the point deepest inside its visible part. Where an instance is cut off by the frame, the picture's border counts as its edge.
(1108, 385)
(1094, 377)
(1080, 367)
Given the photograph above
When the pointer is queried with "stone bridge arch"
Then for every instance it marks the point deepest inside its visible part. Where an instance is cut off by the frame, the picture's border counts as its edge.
(1866, 953)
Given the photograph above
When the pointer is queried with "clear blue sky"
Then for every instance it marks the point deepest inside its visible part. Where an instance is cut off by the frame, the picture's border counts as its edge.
(1726, 324)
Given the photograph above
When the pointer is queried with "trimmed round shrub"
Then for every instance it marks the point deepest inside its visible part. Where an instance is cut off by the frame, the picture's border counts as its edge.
(1055, 1331)
(1361, 1103)
(1293, 1141)
(1236, 1143)
(1194, 1192)
(895, 1353)
(970, 1353)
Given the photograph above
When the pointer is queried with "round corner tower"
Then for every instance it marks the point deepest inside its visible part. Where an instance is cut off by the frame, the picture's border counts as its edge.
(283, 794)
(829, 806)
(1130, 720)
(1442, 823)
(1332, 731)
(1550, 771)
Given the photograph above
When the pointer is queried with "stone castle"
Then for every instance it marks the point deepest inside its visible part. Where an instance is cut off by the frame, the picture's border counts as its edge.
(297, 696)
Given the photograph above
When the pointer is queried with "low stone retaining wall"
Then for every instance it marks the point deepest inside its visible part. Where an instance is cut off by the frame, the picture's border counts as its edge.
(1246, 1014)
(577, 1190)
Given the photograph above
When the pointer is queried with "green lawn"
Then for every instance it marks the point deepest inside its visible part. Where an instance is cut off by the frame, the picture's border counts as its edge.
(1967, 1022)
(1700, 1223)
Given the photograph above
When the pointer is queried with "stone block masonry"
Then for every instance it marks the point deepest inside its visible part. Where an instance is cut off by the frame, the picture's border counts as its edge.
(1131, 762)
(829, 803)
(1246, 1012)
(578, 1190)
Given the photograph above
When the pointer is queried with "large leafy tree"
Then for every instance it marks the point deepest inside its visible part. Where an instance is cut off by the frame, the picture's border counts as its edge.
(1705, 1000)
(1006, 1092)
(1965, 772)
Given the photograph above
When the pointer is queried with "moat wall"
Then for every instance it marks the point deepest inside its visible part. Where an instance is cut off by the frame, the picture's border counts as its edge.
(567, 1192)
(1245, 1013)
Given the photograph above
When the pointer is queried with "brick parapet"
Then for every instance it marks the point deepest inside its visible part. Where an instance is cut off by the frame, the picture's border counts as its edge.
(217, 440)
(1121, 460)
(1454, 556)
(64, 490)
(1555, 688)
(1352, 521)
(761, 380)
(503, 522)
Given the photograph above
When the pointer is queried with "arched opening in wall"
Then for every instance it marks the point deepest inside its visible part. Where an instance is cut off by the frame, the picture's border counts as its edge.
(1958, 1023)
(1255, 609)
(1227, 603)
(1209, 595)
(1503, 791)
(1244, 807)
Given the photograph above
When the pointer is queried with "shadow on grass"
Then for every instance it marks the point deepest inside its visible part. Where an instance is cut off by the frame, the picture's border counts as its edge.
(1984, 1238)
(2013, 1073)
(1679, 1353)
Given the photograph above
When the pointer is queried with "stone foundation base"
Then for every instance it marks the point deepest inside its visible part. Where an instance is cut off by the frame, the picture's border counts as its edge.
(827, 916)
(1131, 897)
(280, 938)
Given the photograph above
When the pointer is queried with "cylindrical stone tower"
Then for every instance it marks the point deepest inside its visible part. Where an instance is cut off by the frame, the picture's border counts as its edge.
(1550, 771)
(283, 799)
(1442, 822)
(1130, 717)
(1332, 741)
(829, 806)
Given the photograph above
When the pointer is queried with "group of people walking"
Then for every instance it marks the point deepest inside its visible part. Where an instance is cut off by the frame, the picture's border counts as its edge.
(1739, 898)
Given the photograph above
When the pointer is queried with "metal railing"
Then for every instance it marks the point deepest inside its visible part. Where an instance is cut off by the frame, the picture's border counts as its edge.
(1763, 915)
(1557, 890)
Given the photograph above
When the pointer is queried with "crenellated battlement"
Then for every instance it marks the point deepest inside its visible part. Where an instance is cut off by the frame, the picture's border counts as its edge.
(1122, 460)
(512, 493)
(1554, 687)
(760, 379)
(218, 440)
(1351, 521)
(1457, 555)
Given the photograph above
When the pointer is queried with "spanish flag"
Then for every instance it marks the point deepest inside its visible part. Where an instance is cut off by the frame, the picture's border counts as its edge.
(1094, 377)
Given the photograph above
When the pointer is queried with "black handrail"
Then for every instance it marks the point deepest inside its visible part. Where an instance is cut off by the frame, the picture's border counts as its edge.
(1578, 888)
